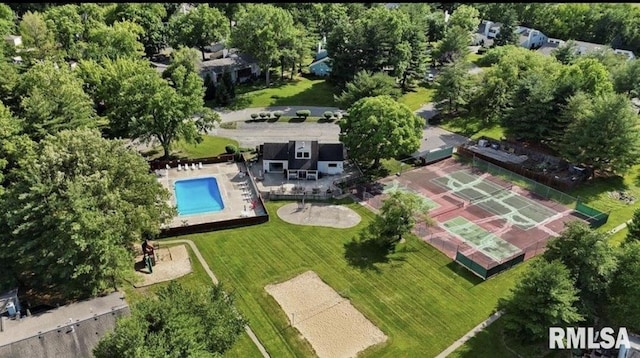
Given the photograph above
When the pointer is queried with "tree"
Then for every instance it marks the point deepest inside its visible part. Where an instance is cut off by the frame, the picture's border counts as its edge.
(35, 33)
(182, 56)
(66, 24)
(9, 130)
(453, 86)
(276, 28)
(53, 99)
(150, 17)
(205, 323)
(531, 115)
(7, 20)
(507, 34)
(466, 17)
(397, 218)
(634, 227)
(567, 53)
(379, 127)
(590, 76)
(627, 78)
(412, 65)
(543, 298)
(453, 47)
(591, 262)
(158, 111)
(118, 40)
(624, 307)
(603, 133)
(200, 27)
(366, 84)
(73, 212)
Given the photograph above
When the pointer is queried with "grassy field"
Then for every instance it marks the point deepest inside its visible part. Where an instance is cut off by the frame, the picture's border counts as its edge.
(417, 296)
(417, 98)
(300, 91)
(210, 147)
(473, 128)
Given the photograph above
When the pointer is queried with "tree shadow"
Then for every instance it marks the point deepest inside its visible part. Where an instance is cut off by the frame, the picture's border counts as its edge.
(367, 254)
(325, 120)
(593, 188)
(463, 273)
(297, 119)
(464, 123)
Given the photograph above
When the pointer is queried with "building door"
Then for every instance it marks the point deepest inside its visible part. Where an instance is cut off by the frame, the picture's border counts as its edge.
(302, 174)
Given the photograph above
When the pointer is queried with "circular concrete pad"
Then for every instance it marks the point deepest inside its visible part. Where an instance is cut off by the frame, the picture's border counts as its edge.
(319, 214)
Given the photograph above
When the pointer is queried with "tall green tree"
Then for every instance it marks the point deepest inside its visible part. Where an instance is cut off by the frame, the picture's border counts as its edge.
(72, 213)
(276, 28)
(543, 298)
(182, 56)
(453, 86)
(624, 307)
(507, 34)
(118, 40)
(200, 27)
(380, 127)
(627, 78)
(566, 53)
(397, 218)
(66, 24)
(414, 41)
(603, 134)
(150, 17)
(7, 20)
(53, 99)
(205, 323)
(466, 17)
(36, 34)
(10, 128)
(366, 84)
(453, 47)
(591, 261)
(634, 227)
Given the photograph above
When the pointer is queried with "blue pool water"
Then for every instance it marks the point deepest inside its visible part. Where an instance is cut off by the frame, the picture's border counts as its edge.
(197, 196)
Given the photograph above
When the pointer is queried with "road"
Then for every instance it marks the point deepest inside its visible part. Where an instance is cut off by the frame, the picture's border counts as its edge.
(256, 133)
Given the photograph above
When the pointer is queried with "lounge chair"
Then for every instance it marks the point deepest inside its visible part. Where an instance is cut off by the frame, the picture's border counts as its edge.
(200, 165)
(167, 167)
(179, 167)
(193, 166)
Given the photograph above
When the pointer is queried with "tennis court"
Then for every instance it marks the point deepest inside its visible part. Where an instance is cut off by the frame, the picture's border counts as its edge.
(481, 239)
(480, 219)
(497, 199)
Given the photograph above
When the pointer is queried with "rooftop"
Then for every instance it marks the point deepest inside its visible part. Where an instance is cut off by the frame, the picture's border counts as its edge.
(19, 329)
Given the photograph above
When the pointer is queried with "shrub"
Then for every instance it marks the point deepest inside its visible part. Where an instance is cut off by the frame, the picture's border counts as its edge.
(263, 114)
(303, 113)
(337, 114)
(328, 114)
(254, 116)
(277, 114)
(231, 149)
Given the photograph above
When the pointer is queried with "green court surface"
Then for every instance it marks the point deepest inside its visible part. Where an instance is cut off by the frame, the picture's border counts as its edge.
(481, 239)
(518, 210)
(395, 185)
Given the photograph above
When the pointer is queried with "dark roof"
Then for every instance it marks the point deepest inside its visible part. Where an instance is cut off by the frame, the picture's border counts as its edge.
(331, 152)
(308, 164)
(233, 60)
(482, 27)
(275, 151)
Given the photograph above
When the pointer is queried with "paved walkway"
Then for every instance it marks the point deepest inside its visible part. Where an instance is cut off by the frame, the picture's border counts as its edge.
(470, 335)
(213, 277)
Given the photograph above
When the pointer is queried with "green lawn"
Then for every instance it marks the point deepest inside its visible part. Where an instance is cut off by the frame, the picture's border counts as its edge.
(472, 127)
(418, 97)
(210, 147)
(418, 297)
(300, 91)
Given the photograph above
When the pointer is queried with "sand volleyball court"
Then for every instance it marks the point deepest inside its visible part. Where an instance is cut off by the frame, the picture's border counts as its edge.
(333, 327)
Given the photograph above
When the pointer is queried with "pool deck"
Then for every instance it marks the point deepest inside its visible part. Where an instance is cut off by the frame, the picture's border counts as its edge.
(236, 192)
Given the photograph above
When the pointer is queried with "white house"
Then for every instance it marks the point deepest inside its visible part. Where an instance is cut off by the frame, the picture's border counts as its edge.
(582, 48)
(531, 38)
(303, 159)
(528, 38)
(13, 40)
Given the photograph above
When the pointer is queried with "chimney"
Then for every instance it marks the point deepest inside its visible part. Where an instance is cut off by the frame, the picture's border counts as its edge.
(319, 46)
(446, 16)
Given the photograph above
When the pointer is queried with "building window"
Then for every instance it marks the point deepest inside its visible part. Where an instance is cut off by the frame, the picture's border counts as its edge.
(333, 165)
(306, 154)
(298, 155)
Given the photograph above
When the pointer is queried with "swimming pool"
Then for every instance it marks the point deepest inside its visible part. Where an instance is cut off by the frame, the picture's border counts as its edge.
(197, 196)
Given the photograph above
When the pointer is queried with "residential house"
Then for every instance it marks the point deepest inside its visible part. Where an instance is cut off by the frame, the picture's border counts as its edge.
(481, 38)
(582, 48)
(303, 159)
(530, 38)
(13, 40)
(321, 65)
(68, 331)
(240, 66)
